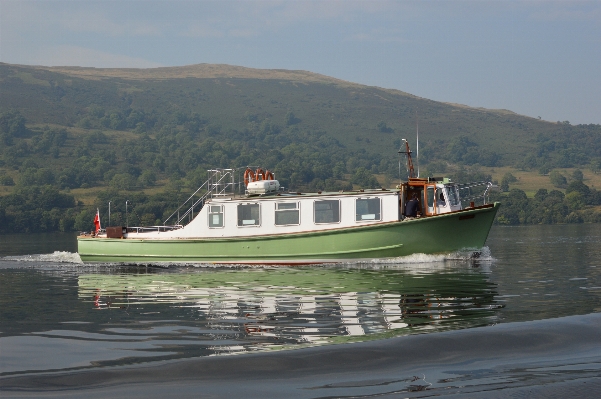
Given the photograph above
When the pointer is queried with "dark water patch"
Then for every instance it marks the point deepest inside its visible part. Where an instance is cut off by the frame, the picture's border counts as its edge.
(498, 361)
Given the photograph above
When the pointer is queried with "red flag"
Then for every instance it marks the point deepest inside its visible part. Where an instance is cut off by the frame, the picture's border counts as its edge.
(97, 221)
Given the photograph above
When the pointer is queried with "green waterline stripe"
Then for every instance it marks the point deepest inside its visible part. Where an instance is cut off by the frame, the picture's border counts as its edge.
(262, 256)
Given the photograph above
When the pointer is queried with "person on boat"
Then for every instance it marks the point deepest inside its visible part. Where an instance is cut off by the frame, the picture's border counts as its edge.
(412, 207)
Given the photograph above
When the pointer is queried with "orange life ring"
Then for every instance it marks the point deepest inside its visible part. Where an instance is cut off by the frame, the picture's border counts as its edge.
(259, 173)
(249, 176)
(269, 175)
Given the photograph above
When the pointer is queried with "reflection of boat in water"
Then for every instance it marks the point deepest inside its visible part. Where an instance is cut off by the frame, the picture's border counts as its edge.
(255, 222)
(303, 305)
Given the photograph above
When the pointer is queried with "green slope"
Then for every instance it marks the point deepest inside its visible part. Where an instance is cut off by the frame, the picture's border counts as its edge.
(226, 96)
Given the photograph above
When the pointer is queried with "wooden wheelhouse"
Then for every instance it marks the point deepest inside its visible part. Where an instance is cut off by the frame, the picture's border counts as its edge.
(438, 195)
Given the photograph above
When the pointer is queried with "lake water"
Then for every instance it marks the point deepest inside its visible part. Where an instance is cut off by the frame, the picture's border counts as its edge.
(60, 318)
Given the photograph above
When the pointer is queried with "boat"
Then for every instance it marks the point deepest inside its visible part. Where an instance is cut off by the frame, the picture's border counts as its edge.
(236, 218)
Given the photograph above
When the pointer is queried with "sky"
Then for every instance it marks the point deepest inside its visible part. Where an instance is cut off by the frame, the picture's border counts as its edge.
(536, 58)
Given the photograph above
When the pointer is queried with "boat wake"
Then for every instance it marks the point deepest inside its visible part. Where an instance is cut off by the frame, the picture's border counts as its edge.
(469, 254)
(480, 255)
(56, 257)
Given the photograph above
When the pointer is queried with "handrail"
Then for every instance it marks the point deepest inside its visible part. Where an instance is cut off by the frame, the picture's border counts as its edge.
(216, 179)
(185, 202)
(468, 186)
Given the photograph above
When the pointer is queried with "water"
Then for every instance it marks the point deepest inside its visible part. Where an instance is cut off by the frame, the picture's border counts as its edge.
(61, 316)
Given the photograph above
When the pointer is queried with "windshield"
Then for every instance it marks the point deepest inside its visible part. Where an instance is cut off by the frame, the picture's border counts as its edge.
(453, 195)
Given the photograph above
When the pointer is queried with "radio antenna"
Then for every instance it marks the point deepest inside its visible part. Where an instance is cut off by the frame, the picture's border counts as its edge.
(417, 146)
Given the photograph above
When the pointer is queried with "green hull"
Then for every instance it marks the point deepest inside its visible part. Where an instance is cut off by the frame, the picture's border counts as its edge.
(438, 234)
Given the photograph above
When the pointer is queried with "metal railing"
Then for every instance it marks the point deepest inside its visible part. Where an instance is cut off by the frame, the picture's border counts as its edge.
(470, 192)
(151, 229)
(220, 182)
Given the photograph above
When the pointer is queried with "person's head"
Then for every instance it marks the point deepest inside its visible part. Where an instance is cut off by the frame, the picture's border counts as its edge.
(414, 196)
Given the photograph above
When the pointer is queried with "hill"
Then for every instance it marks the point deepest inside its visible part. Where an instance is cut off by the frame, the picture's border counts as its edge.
(228, 96)
(147, 132)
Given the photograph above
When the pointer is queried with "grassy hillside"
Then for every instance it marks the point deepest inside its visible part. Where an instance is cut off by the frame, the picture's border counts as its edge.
(95, 133)
(227, 95)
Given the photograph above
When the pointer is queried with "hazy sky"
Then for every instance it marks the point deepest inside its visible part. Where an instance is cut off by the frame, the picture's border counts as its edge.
(537, 58)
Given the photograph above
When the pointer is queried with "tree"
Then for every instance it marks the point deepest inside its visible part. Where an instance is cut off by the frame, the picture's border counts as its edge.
(577, 175)
(382, 127)
(557, 179)
(363, 178)
(579, 187)
(463, 149)
(507, 178)
(123, 181)
(515, 208)
(147, 178)
(541, 194)
(575, 200)
(6, 181)
(291, 119)
(12, 124)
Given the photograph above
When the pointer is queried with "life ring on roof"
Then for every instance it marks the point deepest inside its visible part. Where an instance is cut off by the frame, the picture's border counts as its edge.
(249, 176)
(269, 175)
(259, 174)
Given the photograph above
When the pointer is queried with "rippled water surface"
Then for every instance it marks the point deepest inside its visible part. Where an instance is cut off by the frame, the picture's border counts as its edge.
(59, 314)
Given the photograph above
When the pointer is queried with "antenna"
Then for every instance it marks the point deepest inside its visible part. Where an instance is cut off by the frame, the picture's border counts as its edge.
(400, 178)
(417, 147)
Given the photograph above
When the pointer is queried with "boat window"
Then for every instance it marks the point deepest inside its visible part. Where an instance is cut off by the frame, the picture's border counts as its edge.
(327, 211)
(367, 209)
(249, 215)
(430, 195)
(440, 199)
(215, 216)
(453, 195)
(287, 213)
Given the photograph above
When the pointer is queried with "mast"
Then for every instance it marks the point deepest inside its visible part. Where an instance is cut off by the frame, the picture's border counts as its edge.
(410, 170)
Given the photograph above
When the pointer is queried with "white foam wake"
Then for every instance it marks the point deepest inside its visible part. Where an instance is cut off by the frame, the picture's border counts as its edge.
(56, 257)
(482, 254)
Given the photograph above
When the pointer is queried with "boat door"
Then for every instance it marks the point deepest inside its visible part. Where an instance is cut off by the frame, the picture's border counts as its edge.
(430, 199)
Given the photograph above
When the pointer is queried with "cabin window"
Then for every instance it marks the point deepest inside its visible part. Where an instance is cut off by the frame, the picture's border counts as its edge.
(453, 195)
(440, 199)
(367, 209)
(430, 197)
(215, 216)
(287, 213)
(327, 211)
(249, 215)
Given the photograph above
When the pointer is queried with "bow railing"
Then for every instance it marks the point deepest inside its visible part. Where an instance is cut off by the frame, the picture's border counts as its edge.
(471, 192)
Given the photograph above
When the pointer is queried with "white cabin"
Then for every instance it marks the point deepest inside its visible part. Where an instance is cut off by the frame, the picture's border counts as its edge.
(282, 214)
(264, 209)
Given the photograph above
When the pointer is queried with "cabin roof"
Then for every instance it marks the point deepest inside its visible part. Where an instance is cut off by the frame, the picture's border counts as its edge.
(299, 195)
